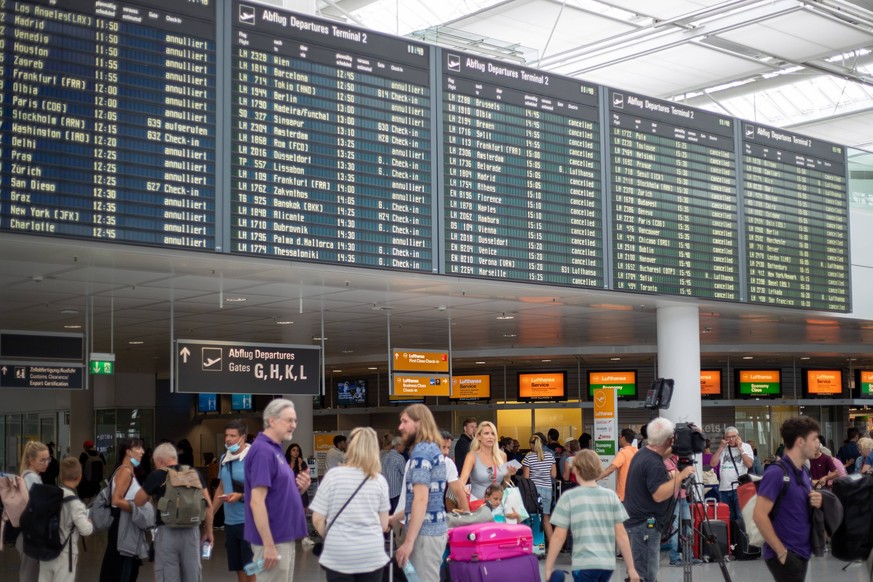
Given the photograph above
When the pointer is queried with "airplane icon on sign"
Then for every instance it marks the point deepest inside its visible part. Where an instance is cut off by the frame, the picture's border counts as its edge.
(211, 359)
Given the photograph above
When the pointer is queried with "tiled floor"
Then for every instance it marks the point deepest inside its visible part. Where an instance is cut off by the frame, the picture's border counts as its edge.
(307, 569)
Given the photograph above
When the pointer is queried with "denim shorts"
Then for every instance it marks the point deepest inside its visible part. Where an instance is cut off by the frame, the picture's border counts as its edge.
(546, 499)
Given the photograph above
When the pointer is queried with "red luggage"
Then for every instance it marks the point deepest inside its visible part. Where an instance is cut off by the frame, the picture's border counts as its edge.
(719, 514)
(520, 568)
(484, 542)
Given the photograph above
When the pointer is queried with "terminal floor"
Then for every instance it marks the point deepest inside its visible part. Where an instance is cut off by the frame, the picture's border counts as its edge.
(307, 569)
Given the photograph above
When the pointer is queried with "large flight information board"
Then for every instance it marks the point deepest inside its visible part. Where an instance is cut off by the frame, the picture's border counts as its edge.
(797, 220)
(674, 199)
(521, 174)
(108, 121)
(331, 149)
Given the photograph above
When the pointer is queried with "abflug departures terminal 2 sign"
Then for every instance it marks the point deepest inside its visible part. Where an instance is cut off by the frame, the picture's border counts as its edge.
(238, 367)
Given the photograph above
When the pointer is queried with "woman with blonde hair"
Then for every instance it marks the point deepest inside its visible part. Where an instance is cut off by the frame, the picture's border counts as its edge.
(539, 466)
(485, 464)
(352, 503)
(34, 461)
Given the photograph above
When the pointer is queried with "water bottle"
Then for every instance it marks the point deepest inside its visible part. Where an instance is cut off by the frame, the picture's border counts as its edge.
(409, 571)
(205, 550)
(254, 568)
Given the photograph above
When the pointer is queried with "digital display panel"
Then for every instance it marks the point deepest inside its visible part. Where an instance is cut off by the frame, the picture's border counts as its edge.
(674, 199)
(108, 124)
(521, 173)
(241, 402)
(822, 382)
(417, 386)
(331, 150)
(758, 383)
(796, 220)
(207, 402)
(864, 381)
(542, 386)
(710, 383)
(624, 383)
(477, 387)
(351, 393)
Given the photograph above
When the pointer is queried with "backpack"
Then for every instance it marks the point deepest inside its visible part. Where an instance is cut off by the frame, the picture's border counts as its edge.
(529, 496)
(853, 540)
(182, 504)
(13, 496)
(92, 472)
(747, 494)
(41, 522)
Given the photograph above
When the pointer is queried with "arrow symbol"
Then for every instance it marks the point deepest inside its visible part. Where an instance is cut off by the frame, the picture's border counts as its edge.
(185, 353)
(4, 370)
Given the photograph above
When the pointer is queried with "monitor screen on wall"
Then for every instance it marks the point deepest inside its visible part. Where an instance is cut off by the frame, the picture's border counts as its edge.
(758, 384)
(623, 381)
(542, 386)
(207, 402)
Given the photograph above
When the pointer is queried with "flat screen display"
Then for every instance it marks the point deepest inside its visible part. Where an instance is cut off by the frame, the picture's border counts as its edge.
(624, 382)
(207, 403)
(710, 383)
(471, 387)
(822, 382)
(351, 393)
(864, 381)
(240, 402)
(542, 386)
(759, 383)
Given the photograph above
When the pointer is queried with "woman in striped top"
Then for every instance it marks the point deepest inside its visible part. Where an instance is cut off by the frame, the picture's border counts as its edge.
(539, 466)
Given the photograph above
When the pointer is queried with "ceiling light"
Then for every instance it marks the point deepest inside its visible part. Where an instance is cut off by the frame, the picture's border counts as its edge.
(804, 357)
(136, 342)
(480, 362)
(284, 322)
(72, 327)
(348, 351)
(69, 312)
(748, 357)
(615, 359)
(509, 335)
(319, 339)
(373, 368)
(235, 299)
(545, 361)
(337, 371)
(504, 317)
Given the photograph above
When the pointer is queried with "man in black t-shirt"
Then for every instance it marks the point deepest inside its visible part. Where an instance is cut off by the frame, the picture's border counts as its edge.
(177, 549)
(462, 447)
(648, 492)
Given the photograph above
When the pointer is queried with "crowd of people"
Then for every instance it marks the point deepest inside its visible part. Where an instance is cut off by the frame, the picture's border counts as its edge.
(407, 482)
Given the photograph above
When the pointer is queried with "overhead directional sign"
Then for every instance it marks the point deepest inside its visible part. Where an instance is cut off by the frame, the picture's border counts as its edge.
(235, 367)
(34, 345)
(44, 376)
(419, 361)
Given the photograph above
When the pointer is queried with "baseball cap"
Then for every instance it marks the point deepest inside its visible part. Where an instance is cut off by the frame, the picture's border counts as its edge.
(88, 444)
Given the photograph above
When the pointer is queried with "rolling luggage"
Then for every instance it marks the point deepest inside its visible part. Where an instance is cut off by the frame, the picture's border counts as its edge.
(740, 548)
(524, 568)
(484, 542)
(717, 522)
(539, 536)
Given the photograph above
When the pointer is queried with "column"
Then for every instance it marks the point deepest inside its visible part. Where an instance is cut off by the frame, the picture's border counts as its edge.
(303, 434)
(679, 359)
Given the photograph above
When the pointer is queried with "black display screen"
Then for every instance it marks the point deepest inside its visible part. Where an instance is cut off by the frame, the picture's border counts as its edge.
(108, 122)
(674, 199)
(331, 149)
(797, 220)
(521, 173)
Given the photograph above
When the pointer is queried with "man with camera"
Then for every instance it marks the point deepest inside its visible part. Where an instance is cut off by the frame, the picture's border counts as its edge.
(649, 490)
(735, 458)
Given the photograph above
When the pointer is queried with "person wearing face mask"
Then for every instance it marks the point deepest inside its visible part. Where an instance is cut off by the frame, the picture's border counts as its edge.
(117, 567)
(232, 481)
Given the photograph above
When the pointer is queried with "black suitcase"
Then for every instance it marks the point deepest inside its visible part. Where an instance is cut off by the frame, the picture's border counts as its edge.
(719, 529)
(740, 548)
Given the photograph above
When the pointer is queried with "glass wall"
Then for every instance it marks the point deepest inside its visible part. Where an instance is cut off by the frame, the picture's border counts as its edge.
(114, 424)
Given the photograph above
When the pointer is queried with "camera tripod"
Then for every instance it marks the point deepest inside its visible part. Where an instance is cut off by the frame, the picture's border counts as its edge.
(686, 534)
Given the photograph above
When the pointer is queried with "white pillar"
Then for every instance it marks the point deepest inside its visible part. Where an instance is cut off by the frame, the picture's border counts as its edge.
(303, 433)
(679, 359)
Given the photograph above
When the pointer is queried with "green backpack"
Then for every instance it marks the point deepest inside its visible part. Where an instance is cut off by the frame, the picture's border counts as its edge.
(183, 504)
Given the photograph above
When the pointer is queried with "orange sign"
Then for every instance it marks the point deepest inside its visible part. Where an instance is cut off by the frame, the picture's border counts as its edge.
(604, 403)
(412, 386)
(824, 381)
(418, 361)
(710, 382)
(541, 386)
(470, 387)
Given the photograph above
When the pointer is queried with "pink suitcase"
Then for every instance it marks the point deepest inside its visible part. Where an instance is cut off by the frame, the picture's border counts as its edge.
(484, 542)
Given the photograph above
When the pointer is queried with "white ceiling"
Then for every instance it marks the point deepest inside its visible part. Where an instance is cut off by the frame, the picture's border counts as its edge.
(664, 48)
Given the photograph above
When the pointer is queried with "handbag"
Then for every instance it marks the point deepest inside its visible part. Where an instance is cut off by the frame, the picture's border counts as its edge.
(512, 498)
(319, 546)
(100, 509)
(459, 518)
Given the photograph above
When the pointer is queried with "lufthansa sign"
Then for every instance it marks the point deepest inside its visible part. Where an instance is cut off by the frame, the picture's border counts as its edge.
(237, 367)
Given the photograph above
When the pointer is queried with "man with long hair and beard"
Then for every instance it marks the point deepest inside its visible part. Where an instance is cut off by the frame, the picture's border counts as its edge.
(425, 484)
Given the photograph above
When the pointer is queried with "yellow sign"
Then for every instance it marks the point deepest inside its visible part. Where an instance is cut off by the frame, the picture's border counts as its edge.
(824, 381)
(323, 441)
(418, 361)
(604, 403)
(464, 387)
(412, 386)
(710, 382)
(542, 386)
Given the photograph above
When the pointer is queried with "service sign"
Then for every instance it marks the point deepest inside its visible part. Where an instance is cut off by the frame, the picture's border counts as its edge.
(234, 367)
(828, 382)
(419, 361)
(471, 387)
(710, 382)
(542, 386)
(412, 386)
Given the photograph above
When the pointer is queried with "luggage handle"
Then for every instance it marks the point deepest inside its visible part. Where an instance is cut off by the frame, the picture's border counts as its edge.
(715, 503)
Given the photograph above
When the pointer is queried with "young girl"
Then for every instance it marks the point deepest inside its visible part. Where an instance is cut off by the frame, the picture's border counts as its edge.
(503, 512)
(596, 516)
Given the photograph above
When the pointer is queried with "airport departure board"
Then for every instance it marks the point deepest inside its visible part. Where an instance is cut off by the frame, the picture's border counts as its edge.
(108, 122)
(797, 220)
(521, 174)
(331, 149)
(674, 199)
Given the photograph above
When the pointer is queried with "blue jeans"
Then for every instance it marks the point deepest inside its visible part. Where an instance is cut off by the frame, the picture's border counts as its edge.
(592, 575)
(646, 549)
(683, 512)
(733, 502)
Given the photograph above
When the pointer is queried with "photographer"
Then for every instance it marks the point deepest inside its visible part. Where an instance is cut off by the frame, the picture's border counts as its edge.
(649, 490)
(734, 458)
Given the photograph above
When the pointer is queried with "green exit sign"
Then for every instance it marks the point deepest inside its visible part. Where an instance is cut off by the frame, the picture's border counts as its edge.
(102, 364)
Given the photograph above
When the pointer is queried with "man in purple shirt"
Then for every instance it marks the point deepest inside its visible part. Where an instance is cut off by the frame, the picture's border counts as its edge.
(787, 532)
(269, 482)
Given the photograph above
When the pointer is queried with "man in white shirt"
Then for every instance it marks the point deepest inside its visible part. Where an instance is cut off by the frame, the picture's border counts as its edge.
(734, 458)
(336, 455)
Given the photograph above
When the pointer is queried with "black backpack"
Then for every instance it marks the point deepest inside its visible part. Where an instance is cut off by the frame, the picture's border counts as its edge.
(529, 495)
(853, 540)
(41, 523)
(92, 472)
